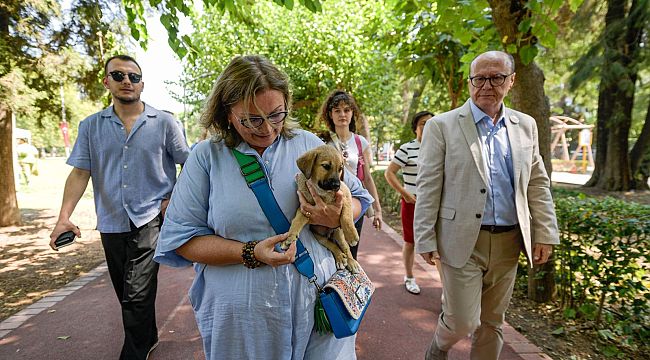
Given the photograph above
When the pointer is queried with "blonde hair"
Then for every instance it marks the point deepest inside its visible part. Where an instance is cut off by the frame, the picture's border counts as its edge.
(242, 80)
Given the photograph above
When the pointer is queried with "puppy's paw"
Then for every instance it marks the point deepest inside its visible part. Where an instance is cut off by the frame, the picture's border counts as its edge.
(286, 243)
(351, 237)
(353, 266)
(341, 261)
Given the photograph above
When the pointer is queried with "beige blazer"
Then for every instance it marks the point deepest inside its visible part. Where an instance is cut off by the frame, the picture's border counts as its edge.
(452, 184)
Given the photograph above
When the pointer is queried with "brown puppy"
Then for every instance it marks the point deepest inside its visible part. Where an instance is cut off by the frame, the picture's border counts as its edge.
(323, 167)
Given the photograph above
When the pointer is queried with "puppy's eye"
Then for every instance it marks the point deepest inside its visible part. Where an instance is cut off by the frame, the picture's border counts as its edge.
(327, 166)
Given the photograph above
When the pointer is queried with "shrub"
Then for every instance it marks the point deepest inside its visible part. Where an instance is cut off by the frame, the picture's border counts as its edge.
(602, 263)
(389, 198)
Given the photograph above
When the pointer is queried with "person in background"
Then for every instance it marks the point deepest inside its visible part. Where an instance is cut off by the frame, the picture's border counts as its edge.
(178, 122)
(27, 159)
(483, 195)
(249, 300)
(130, 150)
(342, 116)
(406, 159)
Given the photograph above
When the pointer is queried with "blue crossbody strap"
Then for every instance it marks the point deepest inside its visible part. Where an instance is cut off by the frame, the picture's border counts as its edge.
(257, 181)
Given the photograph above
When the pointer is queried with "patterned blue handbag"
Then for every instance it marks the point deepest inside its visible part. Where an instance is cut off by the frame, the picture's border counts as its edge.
(345, 298)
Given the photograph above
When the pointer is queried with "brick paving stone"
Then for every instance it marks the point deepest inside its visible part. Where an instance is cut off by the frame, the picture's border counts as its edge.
(514, 337)
(43, 304)
(540, 356)
(10, 324)
(30, 311)
(524, 348)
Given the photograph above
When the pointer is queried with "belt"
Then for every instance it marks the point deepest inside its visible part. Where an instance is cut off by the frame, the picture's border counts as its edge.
(496, 229)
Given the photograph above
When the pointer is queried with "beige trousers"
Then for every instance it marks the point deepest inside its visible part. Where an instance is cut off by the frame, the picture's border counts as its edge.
(477, 295)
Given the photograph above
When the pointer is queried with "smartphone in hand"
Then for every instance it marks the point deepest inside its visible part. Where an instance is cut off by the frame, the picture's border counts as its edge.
(65, 239)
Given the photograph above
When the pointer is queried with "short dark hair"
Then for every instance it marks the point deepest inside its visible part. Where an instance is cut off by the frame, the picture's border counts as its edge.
(123, 58)
(417, 117)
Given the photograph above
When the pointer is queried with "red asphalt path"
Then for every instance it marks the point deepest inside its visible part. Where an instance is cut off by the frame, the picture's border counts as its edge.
(82, 320)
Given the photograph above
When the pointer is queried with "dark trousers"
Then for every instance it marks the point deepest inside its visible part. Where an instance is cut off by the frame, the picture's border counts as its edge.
(134, 275)
(353, 249)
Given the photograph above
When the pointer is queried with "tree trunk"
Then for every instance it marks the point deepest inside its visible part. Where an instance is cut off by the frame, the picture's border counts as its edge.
(623, 36)
(641, 146)
(639, 19)
(9, 211)
(602, 132)
(528, 96)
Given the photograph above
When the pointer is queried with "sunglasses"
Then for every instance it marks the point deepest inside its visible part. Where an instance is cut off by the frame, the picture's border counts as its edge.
(253, 122)
(119, 76)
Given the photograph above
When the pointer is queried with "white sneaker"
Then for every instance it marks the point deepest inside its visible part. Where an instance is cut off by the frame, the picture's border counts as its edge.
(411, 285)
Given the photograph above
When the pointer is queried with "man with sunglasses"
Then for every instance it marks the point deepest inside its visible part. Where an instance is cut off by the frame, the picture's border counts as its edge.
(130, 150)
(483, 196)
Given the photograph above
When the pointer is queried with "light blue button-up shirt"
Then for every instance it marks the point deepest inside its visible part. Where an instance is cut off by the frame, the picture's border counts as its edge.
(131, 175)
(500, 208)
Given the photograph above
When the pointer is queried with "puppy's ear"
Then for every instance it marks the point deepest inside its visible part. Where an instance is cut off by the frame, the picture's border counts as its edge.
(306, 162)
(342, 172)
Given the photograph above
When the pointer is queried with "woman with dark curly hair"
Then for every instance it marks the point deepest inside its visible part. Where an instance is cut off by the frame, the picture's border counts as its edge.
(342, 115)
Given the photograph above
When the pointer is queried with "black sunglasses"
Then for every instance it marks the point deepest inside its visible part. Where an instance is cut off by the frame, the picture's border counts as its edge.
(119, 76)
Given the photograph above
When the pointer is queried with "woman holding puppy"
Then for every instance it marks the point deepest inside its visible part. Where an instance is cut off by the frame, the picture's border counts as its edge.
(342, 115)
(249, 300)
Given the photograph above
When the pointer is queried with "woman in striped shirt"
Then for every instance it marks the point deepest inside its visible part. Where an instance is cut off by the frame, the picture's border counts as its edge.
(406, 159)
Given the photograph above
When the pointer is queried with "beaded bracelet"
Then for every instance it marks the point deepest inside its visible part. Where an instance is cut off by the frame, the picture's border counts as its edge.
(248, 255)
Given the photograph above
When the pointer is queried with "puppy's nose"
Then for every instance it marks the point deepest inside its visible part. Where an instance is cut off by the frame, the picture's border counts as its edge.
(331, 184)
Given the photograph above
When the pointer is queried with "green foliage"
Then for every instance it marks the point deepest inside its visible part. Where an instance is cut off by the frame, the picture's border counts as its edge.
(57, 48)
(388, 197)
(320, 52)
(170, 10)
(602, 271)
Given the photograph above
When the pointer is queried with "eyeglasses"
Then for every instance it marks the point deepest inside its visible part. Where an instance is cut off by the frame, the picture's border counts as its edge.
(495, 81)
(253, 122)
(119, 76)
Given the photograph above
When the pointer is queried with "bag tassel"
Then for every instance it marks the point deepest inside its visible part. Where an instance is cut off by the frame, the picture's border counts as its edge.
(321, 323)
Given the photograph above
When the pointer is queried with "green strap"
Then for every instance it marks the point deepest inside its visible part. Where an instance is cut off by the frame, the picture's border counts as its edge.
(250, 167)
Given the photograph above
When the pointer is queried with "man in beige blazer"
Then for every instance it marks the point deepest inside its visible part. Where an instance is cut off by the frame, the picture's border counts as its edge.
(483, 196)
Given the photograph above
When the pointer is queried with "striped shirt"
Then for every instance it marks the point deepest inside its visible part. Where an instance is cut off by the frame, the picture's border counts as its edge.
(407, 158)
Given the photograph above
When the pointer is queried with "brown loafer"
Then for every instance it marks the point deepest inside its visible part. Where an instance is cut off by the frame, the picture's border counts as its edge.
(434, 353)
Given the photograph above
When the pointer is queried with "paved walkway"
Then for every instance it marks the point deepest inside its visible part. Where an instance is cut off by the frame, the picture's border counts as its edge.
(82, 319)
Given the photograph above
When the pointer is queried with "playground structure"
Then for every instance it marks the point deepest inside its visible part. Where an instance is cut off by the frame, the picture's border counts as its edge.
(559, 126)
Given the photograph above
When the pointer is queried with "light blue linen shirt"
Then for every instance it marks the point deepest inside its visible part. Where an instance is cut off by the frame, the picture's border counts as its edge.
(500, 208)
(131, 175)
(262, 313)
